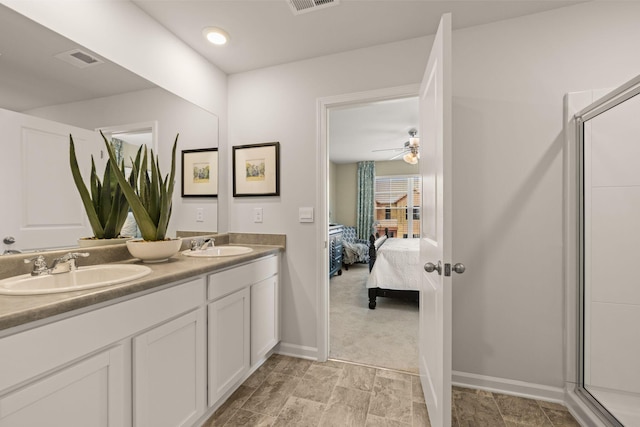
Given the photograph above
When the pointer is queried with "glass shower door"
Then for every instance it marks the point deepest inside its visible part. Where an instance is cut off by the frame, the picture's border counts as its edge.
(610, 251)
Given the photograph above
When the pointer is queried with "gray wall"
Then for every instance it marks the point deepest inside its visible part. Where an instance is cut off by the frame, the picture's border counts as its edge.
(280, 103)
(509, 81)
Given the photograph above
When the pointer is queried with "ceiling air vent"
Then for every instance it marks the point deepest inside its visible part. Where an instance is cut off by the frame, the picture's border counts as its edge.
(304, 6)
(79, 58)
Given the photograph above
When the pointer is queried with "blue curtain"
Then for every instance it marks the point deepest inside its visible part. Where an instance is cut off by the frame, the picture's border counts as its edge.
(366, 183)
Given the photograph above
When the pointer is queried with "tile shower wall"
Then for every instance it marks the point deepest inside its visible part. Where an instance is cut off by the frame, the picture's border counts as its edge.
(612, 210)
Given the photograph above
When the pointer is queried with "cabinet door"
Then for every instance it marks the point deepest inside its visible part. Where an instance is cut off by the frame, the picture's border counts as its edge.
(228, 342)
(88, 393)
(265, 321)
(169, 373)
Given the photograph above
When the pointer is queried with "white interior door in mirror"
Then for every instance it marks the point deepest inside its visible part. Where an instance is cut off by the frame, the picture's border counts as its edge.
(128, 138)
(42, 208)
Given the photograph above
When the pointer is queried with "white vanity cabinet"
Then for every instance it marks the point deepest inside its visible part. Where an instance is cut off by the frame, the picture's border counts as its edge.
(265, 319)
(86, 393)
(229, 338)
(167, 357)
(84, 370)
(169, 372)
(243, 322)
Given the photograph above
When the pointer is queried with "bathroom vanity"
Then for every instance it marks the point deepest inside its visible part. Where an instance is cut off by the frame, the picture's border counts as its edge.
(163, 350)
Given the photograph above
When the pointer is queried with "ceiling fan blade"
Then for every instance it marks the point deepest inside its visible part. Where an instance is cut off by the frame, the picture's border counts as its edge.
(398, 155)
(390, 149)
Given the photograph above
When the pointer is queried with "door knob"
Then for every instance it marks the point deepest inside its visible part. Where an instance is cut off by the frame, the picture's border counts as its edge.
(459, 268)
(431, 267)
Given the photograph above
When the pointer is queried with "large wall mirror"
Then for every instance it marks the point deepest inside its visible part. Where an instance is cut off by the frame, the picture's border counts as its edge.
(51, 87)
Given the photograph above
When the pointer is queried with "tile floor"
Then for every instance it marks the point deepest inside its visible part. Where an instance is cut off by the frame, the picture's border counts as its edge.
(287, 391)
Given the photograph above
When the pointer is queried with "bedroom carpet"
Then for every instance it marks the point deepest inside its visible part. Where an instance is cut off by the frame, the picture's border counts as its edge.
(386, 337)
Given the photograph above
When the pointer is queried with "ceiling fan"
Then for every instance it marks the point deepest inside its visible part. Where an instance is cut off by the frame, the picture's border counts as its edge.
(410, 151)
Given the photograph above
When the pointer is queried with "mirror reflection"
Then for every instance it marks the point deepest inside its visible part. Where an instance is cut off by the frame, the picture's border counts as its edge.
(51, 87)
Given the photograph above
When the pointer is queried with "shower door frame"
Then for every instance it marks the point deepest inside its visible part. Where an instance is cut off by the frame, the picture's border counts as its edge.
(612, 99)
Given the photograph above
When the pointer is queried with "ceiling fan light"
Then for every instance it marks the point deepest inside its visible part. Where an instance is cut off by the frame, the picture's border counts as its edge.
(414, 141)
(410, 158)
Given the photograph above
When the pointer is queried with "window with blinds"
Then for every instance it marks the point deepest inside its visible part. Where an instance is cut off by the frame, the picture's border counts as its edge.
(397, 206)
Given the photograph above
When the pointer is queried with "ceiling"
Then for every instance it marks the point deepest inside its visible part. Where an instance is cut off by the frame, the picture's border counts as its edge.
(263, 33)
(266, 32)
(355, 133)
(31, 76)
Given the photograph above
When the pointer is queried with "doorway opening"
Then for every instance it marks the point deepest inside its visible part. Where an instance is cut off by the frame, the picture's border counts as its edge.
(348, 329)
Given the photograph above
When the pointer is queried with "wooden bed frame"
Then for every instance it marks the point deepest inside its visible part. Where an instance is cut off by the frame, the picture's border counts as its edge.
(380, 292)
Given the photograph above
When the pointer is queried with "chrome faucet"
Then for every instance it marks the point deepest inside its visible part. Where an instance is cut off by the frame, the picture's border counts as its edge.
(206, 243)
(39, 265)
(202, 244)
(64, 264)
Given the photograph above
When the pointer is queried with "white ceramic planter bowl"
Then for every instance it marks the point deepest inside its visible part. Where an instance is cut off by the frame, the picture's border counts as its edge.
(150, 252)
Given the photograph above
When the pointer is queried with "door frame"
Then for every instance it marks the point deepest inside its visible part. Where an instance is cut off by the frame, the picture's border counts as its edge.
(322, 231)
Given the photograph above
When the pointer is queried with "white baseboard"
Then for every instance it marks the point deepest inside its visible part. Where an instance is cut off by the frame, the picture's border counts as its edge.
(294, 350)
(507, 386)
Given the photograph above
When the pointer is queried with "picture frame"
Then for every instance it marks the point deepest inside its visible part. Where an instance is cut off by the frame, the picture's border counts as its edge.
(256, 170)
(200, 172)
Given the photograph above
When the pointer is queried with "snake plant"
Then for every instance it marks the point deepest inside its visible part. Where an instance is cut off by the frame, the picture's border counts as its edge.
(150, 197)
(106, 205)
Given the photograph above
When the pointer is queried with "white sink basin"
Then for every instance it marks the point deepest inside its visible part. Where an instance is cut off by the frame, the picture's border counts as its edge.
(218, 251)
(87, 277)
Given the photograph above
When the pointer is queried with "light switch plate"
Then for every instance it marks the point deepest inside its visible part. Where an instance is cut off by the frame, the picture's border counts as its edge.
(305, 214)
(257, 214)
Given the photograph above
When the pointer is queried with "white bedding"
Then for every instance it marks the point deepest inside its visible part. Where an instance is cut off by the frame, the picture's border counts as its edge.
(397, 265)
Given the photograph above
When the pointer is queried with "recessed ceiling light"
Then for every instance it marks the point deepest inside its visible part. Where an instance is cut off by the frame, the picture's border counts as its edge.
(216, 35)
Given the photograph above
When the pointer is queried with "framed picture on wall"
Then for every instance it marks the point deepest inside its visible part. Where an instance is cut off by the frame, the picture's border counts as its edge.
(200, 172)
(256, 170)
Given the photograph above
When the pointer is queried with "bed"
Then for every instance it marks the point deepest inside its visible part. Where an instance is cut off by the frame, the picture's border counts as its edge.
(394, 268)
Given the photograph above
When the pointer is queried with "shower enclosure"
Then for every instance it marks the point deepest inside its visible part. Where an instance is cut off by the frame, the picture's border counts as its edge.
(607, 354)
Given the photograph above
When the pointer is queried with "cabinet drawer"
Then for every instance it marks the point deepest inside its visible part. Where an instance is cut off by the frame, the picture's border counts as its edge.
(68, 339)
(229, 281)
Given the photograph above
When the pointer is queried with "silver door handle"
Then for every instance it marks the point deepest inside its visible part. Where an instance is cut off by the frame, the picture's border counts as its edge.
(459, 268)
(431, 267)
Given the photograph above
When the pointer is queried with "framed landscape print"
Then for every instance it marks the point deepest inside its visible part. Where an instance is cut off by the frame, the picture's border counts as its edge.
(200, 172)
(256, 170)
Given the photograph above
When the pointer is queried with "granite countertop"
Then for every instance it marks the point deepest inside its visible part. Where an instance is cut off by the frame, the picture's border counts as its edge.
(19, 310)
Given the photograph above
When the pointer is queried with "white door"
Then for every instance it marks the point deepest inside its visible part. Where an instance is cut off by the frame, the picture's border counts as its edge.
(265, 320)
(229, 342)
(86, 393)
(169, 371)
(41, 205)
(436, 241)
